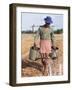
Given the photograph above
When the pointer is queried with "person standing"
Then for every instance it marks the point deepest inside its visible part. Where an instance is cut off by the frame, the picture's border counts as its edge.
(46, 35)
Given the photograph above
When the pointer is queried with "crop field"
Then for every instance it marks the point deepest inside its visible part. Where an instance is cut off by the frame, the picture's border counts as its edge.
(34, 68)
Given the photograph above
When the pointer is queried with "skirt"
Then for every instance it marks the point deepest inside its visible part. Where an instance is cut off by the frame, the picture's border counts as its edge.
(45, 46)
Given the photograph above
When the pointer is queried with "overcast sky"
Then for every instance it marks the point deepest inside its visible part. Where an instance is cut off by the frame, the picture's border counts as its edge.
(28, 19)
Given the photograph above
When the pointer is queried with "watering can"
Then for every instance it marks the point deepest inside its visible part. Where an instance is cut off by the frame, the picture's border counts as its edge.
(54, 53)
(34, 53)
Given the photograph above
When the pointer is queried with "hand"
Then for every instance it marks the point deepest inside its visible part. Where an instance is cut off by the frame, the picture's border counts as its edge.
(53, 47)
(34, 44)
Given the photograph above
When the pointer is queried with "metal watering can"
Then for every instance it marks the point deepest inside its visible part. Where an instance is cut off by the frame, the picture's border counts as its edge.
(34, 53)
(54, 53)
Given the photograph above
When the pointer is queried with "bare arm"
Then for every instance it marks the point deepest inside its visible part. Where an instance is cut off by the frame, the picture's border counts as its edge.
(52, 38)
(36, 38)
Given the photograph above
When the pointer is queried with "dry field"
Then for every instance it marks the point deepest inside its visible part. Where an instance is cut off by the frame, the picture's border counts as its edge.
(34, 68)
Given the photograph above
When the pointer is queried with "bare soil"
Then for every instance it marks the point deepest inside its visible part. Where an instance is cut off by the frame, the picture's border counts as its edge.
(34, 68)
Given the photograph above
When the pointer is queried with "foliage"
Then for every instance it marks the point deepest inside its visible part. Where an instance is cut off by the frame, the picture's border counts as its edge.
(58, 31)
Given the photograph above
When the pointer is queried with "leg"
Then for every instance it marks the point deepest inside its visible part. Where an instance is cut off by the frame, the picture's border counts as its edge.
(45, 63)
(47, 60)
(48, 65)
(42, 60)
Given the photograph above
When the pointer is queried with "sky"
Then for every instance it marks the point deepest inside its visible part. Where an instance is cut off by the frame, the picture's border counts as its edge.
(28, 19)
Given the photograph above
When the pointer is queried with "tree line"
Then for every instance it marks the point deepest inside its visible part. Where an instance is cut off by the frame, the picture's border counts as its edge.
(58, 31)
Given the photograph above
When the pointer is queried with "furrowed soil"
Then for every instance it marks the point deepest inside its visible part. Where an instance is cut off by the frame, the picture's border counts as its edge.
(31, 68)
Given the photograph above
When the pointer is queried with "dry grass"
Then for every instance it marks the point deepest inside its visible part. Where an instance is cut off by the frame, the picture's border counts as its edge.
(34, 68)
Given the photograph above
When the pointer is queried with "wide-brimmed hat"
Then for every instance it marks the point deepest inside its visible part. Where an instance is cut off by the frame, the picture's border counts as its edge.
(48, 19)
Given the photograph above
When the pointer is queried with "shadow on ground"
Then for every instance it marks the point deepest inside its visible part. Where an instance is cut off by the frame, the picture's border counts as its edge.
(33, 64)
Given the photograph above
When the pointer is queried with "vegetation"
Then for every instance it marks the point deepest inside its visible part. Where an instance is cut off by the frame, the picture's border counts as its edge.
(58, 31)
(28, 32)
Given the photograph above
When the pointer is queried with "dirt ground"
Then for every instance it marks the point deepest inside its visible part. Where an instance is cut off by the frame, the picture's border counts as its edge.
(34, 68)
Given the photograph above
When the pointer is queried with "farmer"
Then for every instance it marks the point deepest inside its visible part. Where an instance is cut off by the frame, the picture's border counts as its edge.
(46, 36)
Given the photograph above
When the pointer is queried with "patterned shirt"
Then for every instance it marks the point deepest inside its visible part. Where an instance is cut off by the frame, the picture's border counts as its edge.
(45, 34)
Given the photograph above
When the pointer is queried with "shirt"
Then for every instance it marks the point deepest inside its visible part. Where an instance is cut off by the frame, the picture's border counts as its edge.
(45, 34)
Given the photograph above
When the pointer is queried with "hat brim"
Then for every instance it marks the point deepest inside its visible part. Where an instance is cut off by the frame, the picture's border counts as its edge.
(48, 21)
